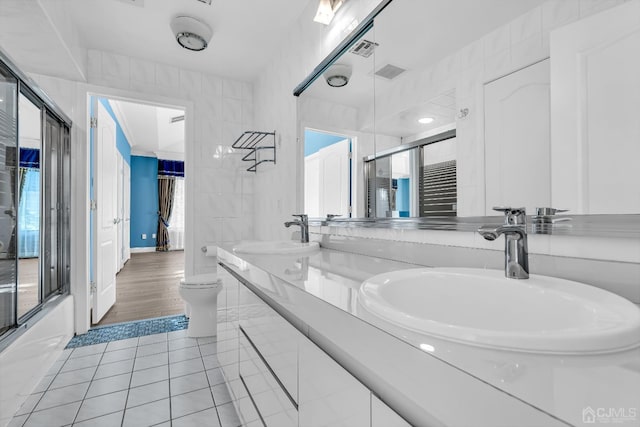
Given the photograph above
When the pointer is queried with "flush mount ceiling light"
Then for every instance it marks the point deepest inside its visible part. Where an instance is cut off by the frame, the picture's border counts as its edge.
(338, 75)
(426, 120)
(191, 33)
(327, 10)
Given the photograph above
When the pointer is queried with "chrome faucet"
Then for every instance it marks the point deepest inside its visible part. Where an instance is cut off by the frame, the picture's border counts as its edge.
(303, 222)
(516, 257)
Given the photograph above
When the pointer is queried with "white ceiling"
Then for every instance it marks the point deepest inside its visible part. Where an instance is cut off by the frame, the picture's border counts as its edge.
(49, 36)
(415, 34)
(149, 129)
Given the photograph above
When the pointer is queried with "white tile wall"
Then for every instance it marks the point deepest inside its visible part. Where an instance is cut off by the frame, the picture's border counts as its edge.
(223, 109)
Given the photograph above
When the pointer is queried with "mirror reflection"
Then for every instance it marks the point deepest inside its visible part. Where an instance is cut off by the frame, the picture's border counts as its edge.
(526, 135)
(29, 196)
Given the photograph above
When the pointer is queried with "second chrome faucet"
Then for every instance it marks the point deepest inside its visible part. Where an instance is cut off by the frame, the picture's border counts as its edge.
(303, 222)
(516, 256)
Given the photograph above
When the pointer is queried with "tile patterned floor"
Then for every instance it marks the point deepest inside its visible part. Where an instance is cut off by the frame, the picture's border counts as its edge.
(164, 379)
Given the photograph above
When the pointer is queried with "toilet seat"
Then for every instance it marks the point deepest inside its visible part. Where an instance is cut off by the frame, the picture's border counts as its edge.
(199, 281)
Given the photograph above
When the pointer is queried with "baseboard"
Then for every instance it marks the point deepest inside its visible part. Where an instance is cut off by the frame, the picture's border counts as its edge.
(141, 250)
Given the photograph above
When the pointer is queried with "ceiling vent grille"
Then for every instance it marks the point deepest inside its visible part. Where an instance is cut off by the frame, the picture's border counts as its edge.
(363, 48)
(390, 71)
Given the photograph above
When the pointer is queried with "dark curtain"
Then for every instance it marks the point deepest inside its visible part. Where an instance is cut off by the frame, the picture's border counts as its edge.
(166, 188)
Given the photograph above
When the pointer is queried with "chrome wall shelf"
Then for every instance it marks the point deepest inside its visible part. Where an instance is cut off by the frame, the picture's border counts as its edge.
(257, 142)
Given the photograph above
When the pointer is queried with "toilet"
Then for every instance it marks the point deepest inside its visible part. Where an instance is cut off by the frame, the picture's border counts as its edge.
(200, 294)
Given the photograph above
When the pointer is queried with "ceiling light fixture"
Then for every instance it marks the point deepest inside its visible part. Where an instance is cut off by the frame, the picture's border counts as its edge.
(327, 10)
(338, 75)
(191, 33)
(426, 120)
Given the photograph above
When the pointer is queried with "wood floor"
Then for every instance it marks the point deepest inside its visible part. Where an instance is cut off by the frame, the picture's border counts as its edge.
(147, 287)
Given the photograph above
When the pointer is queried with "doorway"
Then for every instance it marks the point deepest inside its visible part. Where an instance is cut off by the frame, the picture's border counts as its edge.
(137, 190)
(327, 174)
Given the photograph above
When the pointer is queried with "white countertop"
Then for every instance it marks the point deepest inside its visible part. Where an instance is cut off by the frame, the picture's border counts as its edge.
(543, 387)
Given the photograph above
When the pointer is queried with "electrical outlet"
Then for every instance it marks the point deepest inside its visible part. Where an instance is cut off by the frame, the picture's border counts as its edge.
(153, 236)
(144, 236)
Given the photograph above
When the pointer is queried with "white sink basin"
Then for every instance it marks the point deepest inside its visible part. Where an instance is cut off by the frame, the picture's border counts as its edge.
(483, 308)
(276, 247)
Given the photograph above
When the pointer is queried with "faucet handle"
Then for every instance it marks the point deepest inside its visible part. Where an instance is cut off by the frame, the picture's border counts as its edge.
(303, 217)
(512, 216)
(549, 211)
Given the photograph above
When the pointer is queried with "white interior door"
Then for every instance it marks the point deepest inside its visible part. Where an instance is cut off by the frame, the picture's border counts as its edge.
(595, 100)
(517, 139)
(126, 232)
(327, 182)
(105, 188)
(120, 213)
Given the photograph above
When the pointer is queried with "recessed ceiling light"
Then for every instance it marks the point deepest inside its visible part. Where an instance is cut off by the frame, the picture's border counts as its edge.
(426, 120)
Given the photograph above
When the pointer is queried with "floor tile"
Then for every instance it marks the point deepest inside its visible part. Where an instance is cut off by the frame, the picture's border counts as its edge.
(148, 376)
(208, 349)
(116, 368)
(182, 343)
(73, 364)
(147, 415)
(164, 424)
(87, 350)
(205, 340)
(182, 354)
(148, 393)
(102, 405)
(215, 376)
(55, 368)
(228, 415)
(53, 417)
(186, 367)
(177, 334)
(191, 402)
(238, 389)
(118, 355)
(30, 403)
(242, 408)
(146, 350)
(288, 418)
(211, 361)
(120, 344)
(221, 394)
(44, 383)
(109, 385)
(208, 417)
(152, 339)
(62, 396)
(187, 383)
(151, 361)
(110, 420)
(18, 420)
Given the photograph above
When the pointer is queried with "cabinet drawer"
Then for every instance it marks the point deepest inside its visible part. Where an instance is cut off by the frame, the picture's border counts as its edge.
(275, 406)
(329, 395)
(273, 337)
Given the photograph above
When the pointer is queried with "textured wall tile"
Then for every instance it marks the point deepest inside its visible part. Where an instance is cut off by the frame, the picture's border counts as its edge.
(232, 89)
(116, 68)
(232, 110)
(143, 72)
(556, 13)
(497, 41)
(526, 25)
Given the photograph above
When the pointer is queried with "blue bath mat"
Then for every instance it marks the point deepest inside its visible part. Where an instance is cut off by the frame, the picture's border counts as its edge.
(120, 331)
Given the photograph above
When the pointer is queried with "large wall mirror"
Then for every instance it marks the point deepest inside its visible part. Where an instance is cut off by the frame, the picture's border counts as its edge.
(448, 108)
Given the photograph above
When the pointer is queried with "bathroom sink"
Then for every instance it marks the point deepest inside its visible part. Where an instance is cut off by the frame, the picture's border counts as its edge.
(276, 247)
(483, 308)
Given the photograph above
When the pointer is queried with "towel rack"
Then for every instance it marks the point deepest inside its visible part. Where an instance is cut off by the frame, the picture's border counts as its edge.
(253, 141)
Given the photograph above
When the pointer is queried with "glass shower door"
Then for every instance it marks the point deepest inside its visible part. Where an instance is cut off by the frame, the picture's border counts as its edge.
(8, 186)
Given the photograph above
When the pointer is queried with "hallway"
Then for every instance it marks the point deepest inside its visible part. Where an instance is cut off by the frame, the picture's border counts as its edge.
(147, 287)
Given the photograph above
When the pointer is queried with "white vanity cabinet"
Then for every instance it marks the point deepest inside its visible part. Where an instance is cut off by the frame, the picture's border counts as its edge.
(293, 382)
(383, 416)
